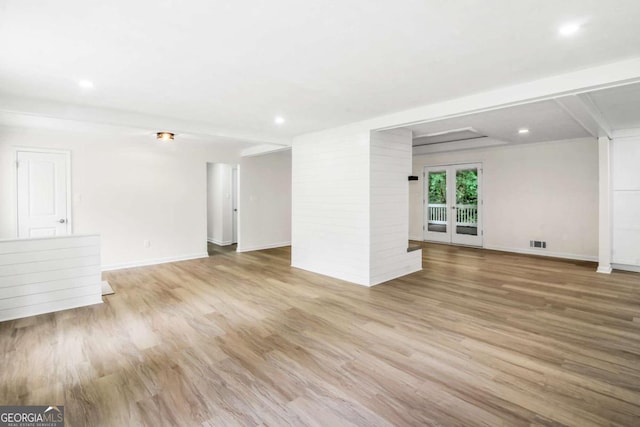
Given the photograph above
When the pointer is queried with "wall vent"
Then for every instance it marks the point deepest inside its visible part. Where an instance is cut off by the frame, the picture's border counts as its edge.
(538, 244)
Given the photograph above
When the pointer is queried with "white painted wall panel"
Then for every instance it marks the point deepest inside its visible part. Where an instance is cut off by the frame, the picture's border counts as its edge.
(31, 283)
(625, 173)
(264, 209)
(391, 153)
(330, 205)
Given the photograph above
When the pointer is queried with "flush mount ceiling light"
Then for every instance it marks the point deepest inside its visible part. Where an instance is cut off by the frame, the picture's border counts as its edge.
(523, 131)
(569, 29)
(165, 136)
(278, 120)
(85, 84)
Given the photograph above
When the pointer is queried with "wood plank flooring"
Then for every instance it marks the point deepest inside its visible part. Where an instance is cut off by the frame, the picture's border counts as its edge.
(476, 338)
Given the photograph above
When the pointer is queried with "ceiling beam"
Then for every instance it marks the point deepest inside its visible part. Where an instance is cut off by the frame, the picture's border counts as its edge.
(584, 112)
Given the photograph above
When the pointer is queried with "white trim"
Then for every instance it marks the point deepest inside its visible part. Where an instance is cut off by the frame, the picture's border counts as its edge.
(259, 248)
(50, 307)
(259, 150)
(155, 261)
(604, 269)
(626, 133)
(626, 267)
(542, 252)
(106, 288)
(67, 153)
(219, 242)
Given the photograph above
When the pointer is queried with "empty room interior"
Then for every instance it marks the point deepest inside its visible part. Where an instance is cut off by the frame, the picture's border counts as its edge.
(320, 213)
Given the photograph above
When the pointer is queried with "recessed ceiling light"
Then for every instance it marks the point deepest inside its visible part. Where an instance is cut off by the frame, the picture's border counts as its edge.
(279, 120)
(85, 84)
(569, 29)
(523, 131)
(165, 136)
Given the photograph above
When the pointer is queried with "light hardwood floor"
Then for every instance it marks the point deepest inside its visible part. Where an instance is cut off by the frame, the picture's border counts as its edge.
(476, 338)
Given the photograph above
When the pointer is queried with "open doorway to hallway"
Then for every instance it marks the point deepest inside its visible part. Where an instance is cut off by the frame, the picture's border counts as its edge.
(222, 207)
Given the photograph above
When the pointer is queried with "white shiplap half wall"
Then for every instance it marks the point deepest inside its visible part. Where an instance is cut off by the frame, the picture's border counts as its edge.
(48, 274)
(330, 204)
(391, 153)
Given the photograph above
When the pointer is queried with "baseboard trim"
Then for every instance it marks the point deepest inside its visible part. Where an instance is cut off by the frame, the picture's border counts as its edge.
(543, 253)
(396, 275)
(219, 242)
(626, 267)
(49, 307)
(604, 269)
(155, 261)
(260, 248)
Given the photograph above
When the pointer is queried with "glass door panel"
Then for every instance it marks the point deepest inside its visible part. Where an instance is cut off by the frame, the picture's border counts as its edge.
(436, 207)
(454, 189)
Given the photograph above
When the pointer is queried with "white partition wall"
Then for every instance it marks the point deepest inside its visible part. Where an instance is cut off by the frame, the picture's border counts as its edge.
(330, 205)
(391, 153)
(626, 203)
(44, 275)
(350, 205)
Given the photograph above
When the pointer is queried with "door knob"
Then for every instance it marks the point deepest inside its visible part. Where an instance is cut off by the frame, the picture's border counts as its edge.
(62, 221)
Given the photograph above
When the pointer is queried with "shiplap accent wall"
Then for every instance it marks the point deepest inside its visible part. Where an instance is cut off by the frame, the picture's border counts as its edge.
(350, 210)
(330, 205)
(391, 153)
(44, 275)
(626, 203)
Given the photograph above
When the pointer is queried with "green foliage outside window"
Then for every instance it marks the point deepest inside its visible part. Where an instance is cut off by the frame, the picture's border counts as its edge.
(466, 187)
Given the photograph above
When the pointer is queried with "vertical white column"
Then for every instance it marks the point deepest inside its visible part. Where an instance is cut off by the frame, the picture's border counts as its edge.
(604, 217)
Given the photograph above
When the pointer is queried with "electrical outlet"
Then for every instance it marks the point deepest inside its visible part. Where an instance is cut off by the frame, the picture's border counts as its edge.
(147, 243)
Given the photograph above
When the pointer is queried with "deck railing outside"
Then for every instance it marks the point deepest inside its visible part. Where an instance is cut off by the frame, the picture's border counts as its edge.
(466, 215)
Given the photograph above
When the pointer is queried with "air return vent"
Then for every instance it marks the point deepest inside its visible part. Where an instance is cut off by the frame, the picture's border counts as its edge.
(447, 136)
(538, 244)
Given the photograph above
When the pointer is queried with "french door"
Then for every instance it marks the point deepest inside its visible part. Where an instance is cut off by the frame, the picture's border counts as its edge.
(453, 204)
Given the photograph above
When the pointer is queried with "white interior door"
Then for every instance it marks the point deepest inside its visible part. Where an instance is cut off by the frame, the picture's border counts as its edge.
(234, 203)
(452, 204)
(42, 192)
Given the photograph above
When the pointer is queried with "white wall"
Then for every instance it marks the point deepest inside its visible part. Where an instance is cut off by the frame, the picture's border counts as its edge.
(546, 191)
(264, 209)
(625, 172)
(390, 168)
(127, 189)
(219, 203)
(350, 205)
(330, 216)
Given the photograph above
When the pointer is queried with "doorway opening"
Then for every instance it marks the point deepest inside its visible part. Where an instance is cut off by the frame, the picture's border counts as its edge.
(222, 208)
(453, 204)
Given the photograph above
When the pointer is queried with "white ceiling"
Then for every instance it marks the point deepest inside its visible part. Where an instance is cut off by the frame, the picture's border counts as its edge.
(320, 64)
(620, 106)
(546, 121)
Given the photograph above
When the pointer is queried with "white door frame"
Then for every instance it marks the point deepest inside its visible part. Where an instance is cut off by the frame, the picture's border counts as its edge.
(448, 237)
(234, 204)
(67, 155)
